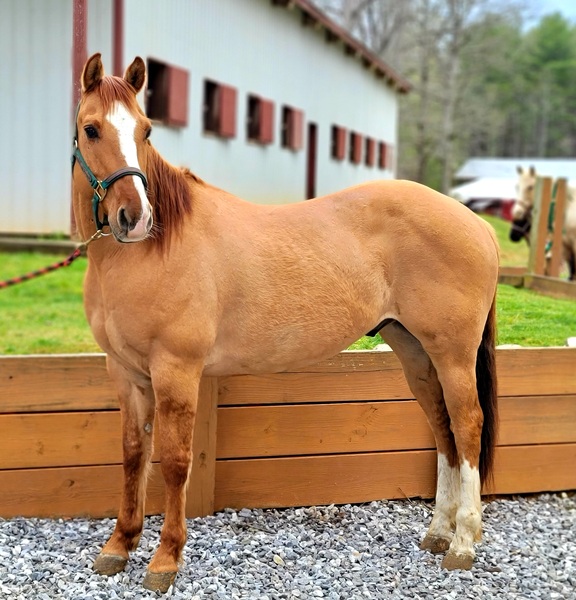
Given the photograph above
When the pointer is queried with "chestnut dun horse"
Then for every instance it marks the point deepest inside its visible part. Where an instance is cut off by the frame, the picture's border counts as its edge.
(522, 217)
(205, 283)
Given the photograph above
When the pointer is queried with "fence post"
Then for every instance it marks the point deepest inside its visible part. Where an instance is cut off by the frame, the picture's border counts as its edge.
(201, 484)
(558, 226)
(539, 231)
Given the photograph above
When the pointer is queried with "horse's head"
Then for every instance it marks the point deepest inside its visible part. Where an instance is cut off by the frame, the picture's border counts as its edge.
(112, 146)
(522, 209)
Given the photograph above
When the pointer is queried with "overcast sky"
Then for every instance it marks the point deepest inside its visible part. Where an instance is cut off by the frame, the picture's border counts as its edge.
(545, 7)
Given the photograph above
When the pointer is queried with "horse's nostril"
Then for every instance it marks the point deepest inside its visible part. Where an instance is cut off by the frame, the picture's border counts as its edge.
(123, 220)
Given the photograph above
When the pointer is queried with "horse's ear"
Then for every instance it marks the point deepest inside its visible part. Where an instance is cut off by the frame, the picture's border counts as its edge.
(519, 169)
(136, 74)
(532, 171)
(92, 73)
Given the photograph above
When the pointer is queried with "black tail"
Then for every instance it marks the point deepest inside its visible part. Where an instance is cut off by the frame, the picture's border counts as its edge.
(486, 384)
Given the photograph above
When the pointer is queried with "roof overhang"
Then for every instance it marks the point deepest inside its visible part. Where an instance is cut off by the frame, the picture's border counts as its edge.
(314, 17)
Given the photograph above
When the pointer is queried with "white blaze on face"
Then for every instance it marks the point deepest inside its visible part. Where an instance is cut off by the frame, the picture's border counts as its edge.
(125, 125)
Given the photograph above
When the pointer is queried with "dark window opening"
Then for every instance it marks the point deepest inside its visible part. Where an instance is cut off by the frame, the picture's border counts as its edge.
(167, 93)
(382, 155)
(338, 142)
(355, 149)
(370, 151)
(292, 133)
(219, 109)
(260, 120)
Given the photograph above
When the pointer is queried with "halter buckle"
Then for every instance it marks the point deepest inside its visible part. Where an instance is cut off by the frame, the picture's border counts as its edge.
(100, 191)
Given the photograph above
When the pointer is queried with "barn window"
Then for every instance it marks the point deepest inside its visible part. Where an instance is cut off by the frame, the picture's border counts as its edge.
(219, 109)
(338, 142)
(355, 149)
(167, 93)
(292, 133)
(369, 152)
(382, 155)
(260, 120)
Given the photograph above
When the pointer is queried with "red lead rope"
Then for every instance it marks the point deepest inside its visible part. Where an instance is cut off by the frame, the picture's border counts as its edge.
(63, 263)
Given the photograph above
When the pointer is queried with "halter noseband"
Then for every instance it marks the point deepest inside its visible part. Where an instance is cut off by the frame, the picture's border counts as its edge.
(100, 187)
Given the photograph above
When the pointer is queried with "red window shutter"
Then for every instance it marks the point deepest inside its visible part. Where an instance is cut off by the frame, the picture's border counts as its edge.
(177, 96)
(227, 124)
(339, 142)
(357, 151)
(390, 157)
(266, 121)
(370, 151)
(296, 129)
(382, 155)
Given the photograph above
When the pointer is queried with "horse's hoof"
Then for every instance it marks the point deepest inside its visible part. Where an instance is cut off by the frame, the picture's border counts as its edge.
(454, 561)
(435, 544)
(159, 582)
(109, 564)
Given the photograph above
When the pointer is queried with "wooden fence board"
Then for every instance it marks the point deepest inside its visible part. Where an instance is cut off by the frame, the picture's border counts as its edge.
(71, 492)
(200, 499)
(537, 420)
(285, 388)
(80, 382)
(321, 429)
(60, 439)
(52, 382)
(377, 426)
(74, 439)
(531, 469)
(332, 479)
(342, 479)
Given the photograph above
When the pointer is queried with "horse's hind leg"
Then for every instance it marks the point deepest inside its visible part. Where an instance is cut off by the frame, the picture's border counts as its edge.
(456, 368)
(137, 411)
(423, 381)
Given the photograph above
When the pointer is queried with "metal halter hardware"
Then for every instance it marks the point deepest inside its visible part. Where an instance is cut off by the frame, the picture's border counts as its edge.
(100, 186)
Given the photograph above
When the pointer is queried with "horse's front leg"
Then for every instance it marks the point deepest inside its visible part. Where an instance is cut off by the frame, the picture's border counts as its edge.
(137, 411)
(176, 391)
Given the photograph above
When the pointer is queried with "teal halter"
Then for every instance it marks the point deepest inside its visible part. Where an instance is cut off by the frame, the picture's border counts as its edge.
(100, 187)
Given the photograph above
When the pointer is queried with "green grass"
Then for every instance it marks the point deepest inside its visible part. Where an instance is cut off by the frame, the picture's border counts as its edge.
(46, 316)
(512, 254)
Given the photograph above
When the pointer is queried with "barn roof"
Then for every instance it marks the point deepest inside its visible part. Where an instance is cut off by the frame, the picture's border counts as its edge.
(312, 16)
(475, 168)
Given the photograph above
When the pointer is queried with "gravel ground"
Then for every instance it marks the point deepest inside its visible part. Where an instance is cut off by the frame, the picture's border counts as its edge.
(336, 552)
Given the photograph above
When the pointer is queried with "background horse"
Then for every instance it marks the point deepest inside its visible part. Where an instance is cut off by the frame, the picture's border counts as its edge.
(195, 281)
(522, 217)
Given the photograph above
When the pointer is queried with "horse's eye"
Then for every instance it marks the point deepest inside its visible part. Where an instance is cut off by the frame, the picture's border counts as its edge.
(91, 132)
(148, 132)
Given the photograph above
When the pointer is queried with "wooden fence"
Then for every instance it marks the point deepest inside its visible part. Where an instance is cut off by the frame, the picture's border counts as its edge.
(346, 430)
(546, 257)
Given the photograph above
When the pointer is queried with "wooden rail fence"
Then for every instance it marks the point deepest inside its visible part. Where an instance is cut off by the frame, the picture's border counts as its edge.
(545, 260)
(343, 431)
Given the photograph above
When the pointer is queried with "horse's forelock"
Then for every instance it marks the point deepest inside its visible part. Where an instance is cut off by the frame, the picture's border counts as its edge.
(115, 89)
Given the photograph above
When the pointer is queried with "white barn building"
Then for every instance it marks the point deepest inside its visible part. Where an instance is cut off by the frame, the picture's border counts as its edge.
(268, 99)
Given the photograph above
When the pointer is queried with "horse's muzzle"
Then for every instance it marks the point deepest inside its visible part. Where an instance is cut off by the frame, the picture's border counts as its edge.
(132, 229)
(519, 230)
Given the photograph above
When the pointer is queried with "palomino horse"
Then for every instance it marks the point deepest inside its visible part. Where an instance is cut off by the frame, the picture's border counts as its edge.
(195, 281)
(522, 217)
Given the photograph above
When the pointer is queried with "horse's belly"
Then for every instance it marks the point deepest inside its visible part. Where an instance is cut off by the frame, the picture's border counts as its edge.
(281, 348)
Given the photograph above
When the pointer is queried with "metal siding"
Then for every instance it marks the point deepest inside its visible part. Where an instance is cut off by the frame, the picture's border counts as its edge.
(35, 97)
